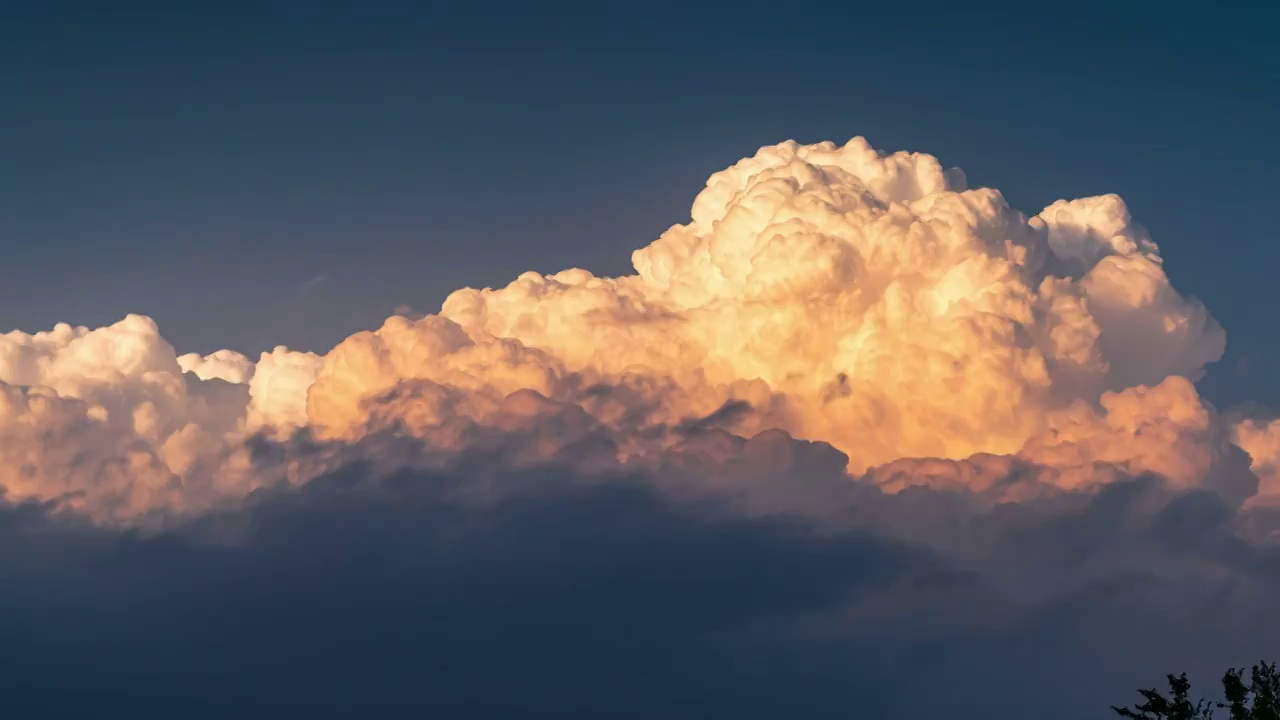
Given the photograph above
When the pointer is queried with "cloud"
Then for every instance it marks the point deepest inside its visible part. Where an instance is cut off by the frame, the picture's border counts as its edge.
(854, 429)
(489, 587)
(866, 300)
(1262, 441)
(411, 591)
(314, 283)
(113, 423)
(892, 311)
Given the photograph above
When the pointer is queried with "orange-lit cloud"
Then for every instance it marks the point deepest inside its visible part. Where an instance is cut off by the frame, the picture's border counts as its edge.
(928, 331)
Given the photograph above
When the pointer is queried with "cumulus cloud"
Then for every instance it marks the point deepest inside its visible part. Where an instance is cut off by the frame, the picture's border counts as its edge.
(227, 365)
(113, 423)
(870, 301)
(1262, 441)
(894, 312)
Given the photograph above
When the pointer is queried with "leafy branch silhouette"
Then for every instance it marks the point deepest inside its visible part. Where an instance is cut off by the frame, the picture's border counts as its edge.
(1259, 699)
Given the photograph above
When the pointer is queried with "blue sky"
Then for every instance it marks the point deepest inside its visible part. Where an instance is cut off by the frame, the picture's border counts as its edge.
(257, 174)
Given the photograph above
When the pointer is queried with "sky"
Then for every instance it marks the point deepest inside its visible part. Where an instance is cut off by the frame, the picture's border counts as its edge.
(300, 413)
(257, 174)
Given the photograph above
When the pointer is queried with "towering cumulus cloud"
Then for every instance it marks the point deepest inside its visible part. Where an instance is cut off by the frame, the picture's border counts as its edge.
(837, 294)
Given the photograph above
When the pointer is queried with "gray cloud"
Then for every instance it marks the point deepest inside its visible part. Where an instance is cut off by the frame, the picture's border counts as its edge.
(559, 591)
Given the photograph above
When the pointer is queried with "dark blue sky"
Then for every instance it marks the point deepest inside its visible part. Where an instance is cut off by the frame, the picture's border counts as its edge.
(205, 166)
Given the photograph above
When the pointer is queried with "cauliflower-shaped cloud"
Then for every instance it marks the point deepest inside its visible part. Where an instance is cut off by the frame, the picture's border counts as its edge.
(869, 301)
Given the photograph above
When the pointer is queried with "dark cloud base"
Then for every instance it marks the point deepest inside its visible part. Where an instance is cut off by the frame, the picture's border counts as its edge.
(568, 597)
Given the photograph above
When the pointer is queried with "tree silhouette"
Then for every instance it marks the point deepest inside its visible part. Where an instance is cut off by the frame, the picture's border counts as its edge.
(1257, 700)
